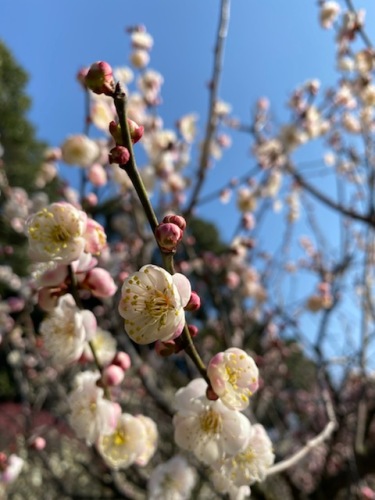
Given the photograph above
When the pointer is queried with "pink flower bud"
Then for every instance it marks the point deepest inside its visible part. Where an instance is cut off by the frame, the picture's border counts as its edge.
(119, 154)
(99, 78)
(194, 302)
(100, 282)
(165, 349)
(115, 131)
(193, 330)
(39, 443)
(211, 394)
(168, 235)
(113, 375)
(176, 219)
(136, 131)
(81, 76)
(122, 359)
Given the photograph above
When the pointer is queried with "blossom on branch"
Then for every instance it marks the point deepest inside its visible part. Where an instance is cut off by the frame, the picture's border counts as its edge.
(173, 479)
(208, 428)
(57, 233)
(234, 377)
(152, 304)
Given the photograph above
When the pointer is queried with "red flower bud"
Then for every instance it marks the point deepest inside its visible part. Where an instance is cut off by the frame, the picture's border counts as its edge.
(165, 349)
(119, 154)
(168, 236)
(99, 78)
(176, 219)
(136, 131)
(193, 330)
(194, 302)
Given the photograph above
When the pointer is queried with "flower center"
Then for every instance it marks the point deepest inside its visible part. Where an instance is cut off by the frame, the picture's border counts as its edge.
(119, 438)
(159, 303)
(211, 422)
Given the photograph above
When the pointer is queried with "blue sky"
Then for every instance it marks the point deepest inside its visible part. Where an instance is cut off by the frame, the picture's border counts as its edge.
(272, 46)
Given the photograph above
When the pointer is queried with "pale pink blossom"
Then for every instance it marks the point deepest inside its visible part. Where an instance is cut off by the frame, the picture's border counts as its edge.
(105, 346)
(234, 377)
(124, 444)
(91, 416)
(12, 469)
(97, 175)
(151, 440)
(57, 233)
(208, 428)
(152, 304)
(66, 329)
(79, 150)
(172, 480)
(96, 239)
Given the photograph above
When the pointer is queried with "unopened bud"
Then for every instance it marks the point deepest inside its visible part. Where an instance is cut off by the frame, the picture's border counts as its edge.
(211, 394)
(168, 236)
(115, 131)
(99, 78)
(119, 154)
(136, 131)
(194, 302)
(81, 76)
(193, 330)
(165, 349)
(113, 375)
(176, 219)
(122, 359)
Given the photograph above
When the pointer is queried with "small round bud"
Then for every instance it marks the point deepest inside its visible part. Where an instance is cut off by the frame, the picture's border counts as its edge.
(165, 349)
(194, 302)
(176, 219)
(122, 359)
(193, 330)
(99, 78)
(136, 131)
(168, 236)
(113, 375)
(119, 154)
(211, 394)
(39, 443)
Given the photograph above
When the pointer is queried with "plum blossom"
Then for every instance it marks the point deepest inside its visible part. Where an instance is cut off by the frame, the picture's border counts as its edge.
(208, 428)
(79, 150)
(151, 440)
(10, 468)
(234, 377)
(66, 329)
(152, 304)
(328, 14)
(252, 463)
(172, 480)
(57, 233)
(91, 415)
(224, 485)
(105, 347)
(121, 447)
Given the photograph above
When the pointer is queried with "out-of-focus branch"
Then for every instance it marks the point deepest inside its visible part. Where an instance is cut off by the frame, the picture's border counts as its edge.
(360, 30)
(368, 219)
(312, 443)
(212, 118)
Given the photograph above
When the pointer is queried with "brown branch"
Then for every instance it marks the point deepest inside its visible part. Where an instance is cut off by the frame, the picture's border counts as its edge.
(212, 118)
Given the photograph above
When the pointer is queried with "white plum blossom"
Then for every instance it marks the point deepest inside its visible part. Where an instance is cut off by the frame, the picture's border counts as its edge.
(125, 443)
(251, 464)
(11, 469)
(208, 428)
(224, 485)
(234, 377)
(91, 415)
(328, 14)
(172, 480)
(80, 150)
(152, 304)
(150, 442)
(105, 346)
(66, 329)
(57, 233)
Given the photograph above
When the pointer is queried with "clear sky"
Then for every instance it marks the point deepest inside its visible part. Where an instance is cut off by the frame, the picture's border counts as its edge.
(272, 46)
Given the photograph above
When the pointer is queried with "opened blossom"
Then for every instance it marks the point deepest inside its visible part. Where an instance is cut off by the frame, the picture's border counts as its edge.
(173, 479)
(121, 448)
(234, 377)
(152, 304)
(91, 415)
(208, 428)
(251, 464)
(66, 329)
(57, 233)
